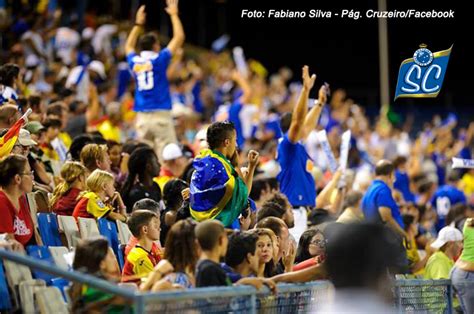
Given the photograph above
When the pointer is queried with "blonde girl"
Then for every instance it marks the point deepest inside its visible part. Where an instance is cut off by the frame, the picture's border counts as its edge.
(96, 201)
(65, 195)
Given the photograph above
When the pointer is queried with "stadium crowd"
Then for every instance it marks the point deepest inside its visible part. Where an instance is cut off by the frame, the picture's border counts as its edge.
(221, 171)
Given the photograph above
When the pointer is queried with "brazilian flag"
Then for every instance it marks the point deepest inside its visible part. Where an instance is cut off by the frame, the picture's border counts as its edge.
(217, 191)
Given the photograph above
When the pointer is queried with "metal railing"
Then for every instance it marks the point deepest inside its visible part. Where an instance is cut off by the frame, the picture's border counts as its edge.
(432, 296)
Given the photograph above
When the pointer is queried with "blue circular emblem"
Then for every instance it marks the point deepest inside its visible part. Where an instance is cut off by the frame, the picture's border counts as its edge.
(423, 57)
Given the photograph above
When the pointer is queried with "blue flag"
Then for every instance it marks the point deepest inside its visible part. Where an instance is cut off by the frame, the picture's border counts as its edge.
(422, 76)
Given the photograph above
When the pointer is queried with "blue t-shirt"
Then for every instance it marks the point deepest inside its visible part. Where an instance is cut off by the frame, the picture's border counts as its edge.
(152, 90)
(295, 178)
(445, 197)
(402, 183)
(273, 124)
(379, 195)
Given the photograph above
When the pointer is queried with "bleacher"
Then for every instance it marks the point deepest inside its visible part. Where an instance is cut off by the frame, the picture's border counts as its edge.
(38, 281)
(32, 290)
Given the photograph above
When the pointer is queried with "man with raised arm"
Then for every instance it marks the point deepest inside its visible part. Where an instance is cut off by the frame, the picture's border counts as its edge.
(152, 96)
(295, 177)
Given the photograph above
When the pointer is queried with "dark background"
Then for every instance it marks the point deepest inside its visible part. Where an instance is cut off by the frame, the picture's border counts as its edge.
(344, 52)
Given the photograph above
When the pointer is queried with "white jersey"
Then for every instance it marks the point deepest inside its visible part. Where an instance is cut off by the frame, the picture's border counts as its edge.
(67, 40)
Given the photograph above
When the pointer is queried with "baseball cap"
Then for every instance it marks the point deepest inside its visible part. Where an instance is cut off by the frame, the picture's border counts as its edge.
(445, 235)
(34, 127)
(172, 151)
(24, 138)
(98, 67)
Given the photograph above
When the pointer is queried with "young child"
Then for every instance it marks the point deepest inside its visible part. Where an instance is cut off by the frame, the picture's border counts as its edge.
(96, 201)
(65, 195)
(151, 205)
(145, 226)
(213, 240)
(94, 257)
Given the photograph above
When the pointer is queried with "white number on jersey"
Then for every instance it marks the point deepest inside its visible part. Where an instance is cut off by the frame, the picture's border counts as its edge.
(145, 80)
(443, 204)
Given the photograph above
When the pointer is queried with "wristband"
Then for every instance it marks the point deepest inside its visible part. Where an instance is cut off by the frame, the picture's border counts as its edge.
(140, 25)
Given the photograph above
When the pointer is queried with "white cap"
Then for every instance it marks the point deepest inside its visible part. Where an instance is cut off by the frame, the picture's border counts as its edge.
(98, 67)
(88, 33)
(172, 151)
(445, 235)
(24, 138)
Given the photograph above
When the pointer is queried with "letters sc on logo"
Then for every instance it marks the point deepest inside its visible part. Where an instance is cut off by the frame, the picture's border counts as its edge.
(422, 80)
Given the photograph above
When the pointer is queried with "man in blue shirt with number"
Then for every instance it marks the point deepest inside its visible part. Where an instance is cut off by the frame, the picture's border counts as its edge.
(154, 122)
(295, 178)
(445, 197)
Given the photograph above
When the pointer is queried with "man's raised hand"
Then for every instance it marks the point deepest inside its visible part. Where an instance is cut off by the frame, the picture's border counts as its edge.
(253, 158)
(171, 7)
(140, 18)
(323, 94)
(308, 82)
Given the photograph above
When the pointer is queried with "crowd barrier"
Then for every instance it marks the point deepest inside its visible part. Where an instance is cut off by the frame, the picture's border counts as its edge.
(410, 296)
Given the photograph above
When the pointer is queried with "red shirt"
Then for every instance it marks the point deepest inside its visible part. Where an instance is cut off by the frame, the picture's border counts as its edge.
(17, 223)
(65, 204)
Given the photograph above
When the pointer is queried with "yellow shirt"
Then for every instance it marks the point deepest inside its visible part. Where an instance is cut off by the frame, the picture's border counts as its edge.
(161, 181)
(63, 136)
(439, 266)
(109, 131)
(468, 183)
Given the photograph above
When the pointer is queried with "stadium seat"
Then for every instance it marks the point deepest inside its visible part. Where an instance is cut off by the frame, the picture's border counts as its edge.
(5, 301)
(58, 252)
(124, 232)
(68, 225)
(41, 253)
(88, 227)
(50, 301)
(49, 229)
(121, 255)
(61, 284)
(27, 290)
(108, 229)
(15, 275)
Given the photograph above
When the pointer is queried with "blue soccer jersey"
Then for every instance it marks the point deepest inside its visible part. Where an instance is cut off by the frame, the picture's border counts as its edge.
(151, 84)
(295, 178)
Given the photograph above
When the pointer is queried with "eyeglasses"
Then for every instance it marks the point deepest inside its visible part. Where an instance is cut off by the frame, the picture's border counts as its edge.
(320, 243)
(31, 173)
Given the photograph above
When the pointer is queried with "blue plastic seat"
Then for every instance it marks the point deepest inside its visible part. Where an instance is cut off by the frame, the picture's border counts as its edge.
(121, 256)
(61, 284)
(49, 229)
(5, 301)
(109, 230)
(41, 253)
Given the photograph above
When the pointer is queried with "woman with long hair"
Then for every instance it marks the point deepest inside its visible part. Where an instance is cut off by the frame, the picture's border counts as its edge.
(181, 251)
(16, 179)
(311, 249)
(143, 166)
(267, 251)
(65, 194)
